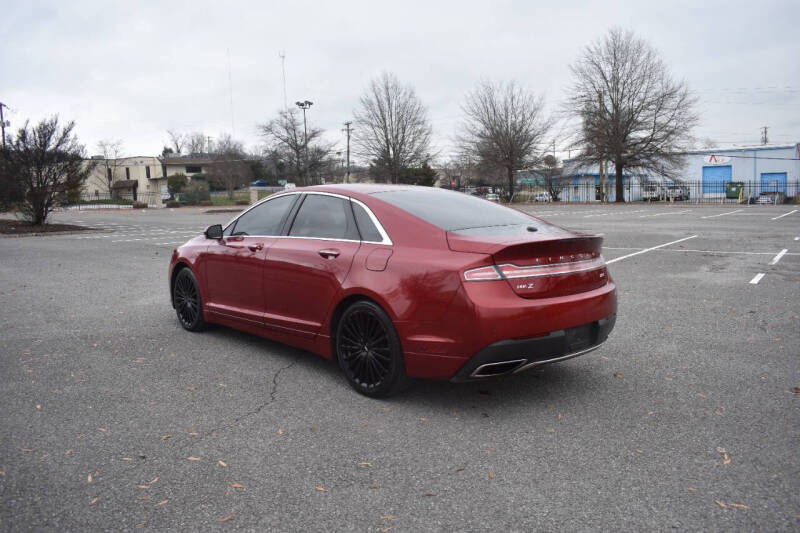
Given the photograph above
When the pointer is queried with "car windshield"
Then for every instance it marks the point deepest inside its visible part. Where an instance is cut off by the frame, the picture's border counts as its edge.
(451, 210)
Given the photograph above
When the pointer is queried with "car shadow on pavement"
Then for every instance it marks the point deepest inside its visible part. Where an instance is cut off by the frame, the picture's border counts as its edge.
(579, 380)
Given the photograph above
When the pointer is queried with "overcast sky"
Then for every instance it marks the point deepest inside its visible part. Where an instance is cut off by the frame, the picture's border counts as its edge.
(132, 70)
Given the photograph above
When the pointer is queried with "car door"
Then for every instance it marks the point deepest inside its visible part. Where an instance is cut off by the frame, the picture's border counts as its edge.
(234, 265)
(305, 269)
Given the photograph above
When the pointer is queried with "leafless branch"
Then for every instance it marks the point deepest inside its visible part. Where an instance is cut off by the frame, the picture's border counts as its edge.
(504, 128)
(393, 129)
(632, 113)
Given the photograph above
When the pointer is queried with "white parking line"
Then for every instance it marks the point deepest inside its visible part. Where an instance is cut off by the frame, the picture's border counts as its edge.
(778, 257)
(756, 279)
(797, 238)
(667, 213)
(722, 214)
(695, 251)
(784, 215)
(648, 250)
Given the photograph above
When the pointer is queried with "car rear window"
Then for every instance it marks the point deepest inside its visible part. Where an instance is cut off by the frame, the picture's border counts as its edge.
(451, 210)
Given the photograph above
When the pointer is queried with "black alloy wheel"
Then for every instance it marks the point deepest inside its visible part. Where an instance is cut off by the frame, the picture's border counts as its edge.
(187, 301)
(369, 351)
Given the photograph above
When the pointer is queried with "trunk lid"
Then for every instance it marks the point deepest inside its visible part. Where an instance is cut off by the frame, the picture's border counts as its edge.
(538, 260)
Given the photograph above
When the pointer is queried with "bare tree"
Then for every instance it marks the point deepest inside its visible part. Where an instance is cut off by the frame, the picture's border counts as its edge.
(47, 164)
(195, 142)
(112, 154)
(504, 127)
(551, 174)
(304, 157)
(393, 128)
(229, 169)
(177, 141)
(632, 112)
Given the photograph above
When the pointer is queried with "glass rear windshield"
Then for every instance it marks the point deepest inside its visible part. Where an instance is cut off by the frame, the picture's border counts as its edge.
(453, 211)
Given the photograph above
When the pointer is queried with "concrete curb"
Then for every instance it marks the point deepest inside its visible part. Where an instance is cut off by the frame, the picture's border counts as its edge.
(52, 233)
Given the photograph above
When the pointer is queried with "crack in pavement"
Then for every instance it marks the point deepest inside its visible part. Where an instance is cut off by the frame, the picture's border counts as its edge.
(108, 482)
(273, 391)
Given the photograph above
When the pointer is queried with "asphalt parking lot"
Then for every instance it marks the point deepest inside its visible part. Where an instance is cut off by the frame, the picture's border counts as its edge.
(115, 418)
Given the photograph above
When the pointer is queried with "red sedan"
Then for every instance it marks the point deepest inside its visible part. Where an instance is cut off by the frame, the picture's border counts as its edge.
(399, 281)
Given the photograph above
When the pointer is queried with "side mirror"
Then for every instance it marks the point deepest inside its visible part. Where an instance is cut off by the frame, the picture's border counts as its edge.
(214, 232)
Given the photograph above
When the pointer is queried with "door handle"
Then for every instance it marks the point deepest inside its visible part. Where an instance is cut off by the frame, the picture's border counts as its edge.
(329, 253)
(255, 247)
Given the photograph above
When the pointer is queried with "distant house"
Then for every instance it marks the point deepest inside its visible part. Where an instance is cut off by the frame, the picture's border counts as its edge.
(187, 164)
(138, 178)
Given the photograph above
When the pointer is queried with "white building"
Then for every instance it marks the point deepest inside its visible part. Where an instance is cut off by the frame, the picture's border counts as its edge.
(139, 178)
(760, 169)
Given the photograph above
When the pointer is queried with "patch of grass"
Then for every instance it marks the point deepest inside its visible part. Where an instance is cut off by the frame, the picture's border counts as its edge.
(223, 199)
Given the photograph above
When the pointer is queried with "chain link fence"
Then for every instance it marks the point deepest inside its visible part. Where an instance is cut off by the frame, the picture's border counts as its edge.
(125, 200)
(698, 192)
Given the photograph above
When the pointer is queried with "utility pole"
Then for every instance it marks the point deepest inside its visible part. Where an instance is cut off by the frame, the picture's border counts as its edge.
(764, 139)
(3, 122)
(230, 88)
(282, 55)
(348, 131)
(305, 105)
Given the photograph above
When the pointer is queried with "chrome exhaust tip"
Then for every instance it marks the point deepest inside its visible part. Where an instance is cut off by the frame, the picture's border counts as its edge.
(490, 370)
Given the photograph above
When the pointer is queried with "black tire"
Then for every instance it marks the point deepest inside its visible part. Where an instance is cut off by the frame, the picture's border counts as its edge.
(369, 351)
(187, 301)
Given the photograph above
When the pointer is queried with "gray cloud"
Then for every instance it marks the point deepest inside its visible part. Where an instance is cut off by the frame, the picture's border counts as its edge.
(132, 70)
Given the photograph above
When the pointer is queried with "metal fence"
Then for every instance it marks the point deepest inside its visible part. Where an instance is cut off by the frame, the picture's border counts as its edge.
(716, 192)
(117, 201)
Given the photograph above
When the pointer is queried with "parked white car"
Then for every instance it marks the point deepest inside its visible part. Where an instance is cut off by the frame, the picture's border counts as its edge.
(542, 196)
(492, 197)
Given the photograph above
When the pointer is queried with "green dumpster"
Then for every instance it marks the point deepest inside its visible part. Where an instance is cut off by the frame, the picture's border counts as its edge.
(733, 189)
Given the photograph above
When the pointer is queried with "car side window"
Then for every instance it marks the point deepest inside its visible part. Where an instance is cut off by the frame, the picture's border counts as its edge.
(367, 229)
(325, 217)
(264, 219)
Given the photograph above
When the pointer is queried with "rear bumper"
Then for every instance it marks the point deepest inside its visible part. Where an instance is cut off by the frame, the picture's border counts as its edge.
(511, 356)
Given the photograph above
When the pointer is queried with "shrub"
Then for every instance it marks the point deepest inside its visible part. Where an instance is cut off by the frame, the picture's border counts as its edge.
(195, 192)
(139, 205)
(242, 202)
(176, 183)
(173, 203)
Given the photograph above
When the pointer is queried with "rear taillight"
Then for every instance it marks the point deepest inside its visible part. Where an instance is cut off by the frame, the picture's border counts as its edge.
(555, 269)
(548, 266)
(489, 273)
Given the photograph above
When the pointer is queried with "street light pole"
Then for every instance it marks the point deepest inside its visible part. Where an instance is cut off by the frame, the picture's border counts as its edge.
(3, 123)
(304, 105)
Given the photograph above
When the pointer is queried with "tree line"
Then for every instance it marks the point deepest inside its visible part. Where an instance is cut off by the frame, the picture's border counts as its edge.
(623, 108)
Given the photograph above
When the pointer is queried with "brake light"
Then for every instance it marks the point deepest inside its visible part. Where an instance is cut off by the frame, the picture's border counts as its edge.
(554, 269)
(488, 273)
(550, 266)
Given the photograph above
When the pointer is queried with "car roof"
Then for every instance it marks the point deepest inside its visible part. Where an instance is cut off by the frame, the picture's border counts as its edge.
(359, 188)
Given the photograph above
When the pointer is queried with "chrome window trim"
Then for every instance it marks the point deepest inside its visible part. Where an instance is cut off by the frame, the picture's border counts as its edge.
(385, 240)
(384, 236)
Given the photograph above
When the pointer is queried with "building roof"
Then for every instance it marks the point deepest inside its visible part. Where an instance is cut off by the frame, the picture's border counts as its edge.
(746, 148)
(188, 160)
